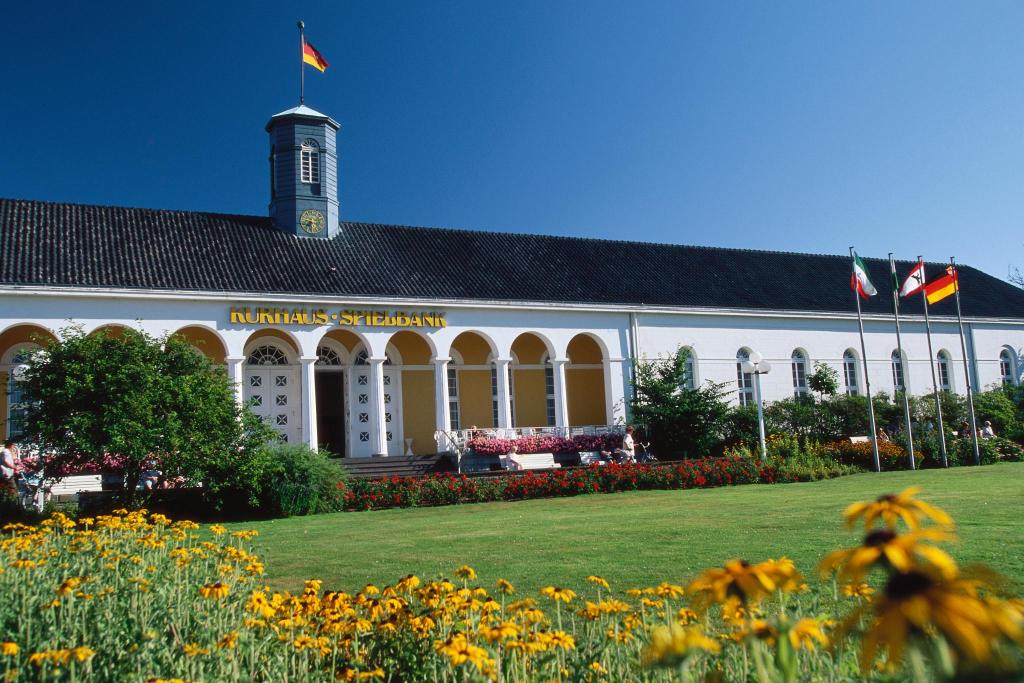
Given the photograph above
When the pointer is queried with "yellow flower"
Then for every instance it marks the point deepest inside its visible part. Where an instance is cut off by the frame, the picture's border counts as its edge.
(215, 591)
(558, 594)
(504, 587)
(229, 641)
(671, 645)
(458, 650)
(740, 580)
(902, 552)
(686, 616)
(598, 581)
(561, 639)
(859, 590)
(193, 650)
(466, 572)
(9, 649)
(82, 653)
(805, 632)
(69, 585)
(598, 668)
(669, 590)
(917, 602)
(891, 508)
(218, 530)
(502, 631)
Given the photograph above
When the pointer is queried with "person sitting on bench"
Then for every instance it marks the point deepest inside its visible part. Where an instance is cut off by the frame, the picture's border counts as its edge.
(627, 453)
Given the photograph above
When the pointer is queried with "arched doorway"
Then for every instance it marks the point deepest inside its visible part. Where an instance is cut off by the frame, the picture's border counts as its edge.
(271, 386)
(333, 375)
(584, 379)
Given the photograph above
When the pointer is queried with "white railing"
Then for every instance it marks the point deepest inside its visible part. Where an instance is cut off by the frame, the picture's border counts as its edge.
(457, 441)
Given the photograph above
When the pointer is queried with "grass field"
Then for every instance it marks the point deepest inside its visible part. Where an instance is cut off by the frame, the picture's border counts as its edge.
(634, 539)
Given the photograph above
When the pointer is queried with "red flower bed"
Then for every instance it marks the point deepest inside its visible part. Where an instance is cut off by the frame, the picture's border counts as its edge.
(451, 489)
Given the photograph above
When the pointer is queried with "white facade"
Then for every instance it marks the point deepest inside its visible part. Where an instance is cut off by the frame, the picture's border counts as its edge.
(284, 390)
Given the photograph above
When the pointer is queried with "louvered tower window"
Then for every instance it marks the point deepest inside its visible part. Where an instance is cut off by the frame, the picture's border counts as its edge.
(310, 162)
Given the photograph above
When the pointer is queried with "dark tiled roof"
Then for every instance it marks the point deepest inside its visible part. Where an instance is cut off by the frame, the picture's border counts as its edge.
(72, 245)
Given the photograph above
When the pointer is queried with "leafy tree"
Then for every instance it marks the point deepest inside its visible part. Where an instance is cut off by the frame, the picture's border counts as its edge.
(125, 398)
(681, 422)
(824, 380)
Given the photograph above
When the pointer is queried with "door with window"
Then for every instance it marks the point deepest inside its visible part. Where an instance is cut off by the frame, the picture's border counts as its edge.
(272, 392)
(359, 399)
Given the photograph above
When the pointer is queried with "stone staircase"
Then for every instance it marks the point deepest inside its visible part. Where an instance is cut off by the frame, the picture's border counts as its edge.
(397, 466)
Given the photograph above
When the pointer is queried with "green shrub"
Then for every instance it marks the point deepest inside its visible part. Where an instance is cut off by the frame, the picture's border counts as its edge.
(300, 481)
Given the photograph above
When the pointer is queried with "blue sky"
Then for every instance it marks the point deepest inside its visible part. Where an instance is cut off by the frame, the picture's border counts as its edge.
(797, 126)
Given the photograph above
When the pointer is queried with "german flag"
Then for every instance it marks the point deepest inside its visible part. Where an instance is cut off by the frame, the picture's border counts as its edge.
(312, 56)
(945, 286)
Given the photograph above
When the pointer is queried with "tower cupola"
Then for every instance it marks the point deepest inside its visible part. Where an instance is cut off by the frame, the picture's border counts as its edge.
(304, 172)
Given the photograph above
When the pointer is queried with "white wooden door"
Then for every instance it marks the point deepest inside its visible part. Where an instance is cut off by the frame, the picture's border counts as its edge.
(361, 441)
(272, 392)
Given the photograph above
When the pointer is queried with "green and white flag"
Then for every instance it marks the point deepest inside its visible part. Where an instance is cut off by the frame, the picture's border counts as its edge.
(859, 280)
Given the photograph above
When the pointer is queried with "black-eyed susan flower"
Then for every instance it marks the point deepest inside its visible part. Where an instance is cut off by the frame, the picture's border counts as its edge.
(672, 645)
(597, 581)
(504, 587)
(215, 591)
(741, 581)
(806, 633)
(565, 595)
(858, 590)
(9, 649)
(901, 552)
(891, 508)
(228, 641)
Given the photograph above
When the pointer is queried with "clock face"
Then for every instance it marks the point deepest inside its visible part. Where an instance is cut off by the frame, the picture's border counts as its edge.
(312, 221)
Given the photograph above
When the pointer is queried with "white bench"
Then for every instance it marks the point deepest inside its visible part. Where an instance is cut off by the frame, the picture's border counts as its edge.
(859, 439)
(591, 458)
(531, 461)
(70, 486)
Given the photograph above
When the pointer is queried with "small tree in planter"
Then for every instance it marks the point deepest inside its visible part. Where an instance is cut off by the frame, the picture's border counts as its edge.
(680, 422)
(824, 380)
(132, 397)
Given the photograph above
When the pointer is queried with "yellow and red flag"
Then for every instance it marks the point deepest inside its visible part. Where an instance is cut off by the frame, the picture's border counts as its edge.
(946, 285)
(312, 56)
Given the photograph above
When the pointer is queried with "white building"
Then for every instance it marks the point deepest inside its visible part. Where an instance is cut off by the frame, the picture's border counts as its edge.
(369, 339)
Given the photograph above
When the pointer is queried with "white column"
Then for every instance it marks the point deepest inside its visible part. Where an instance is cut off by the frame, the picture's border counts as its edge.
(236, 373)
(378, 424)
(309, 401)
(504, 400)
(561, 400)
(614, 388)
(442, 418)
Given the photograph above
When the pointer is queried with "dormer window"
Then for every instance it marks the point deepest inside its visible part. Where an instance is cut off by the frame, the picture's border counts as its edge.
(310, 161)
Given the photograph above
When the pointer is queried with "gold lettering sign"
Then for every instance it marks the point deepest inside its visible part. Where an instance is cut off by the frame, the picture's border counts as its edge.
(349, 317)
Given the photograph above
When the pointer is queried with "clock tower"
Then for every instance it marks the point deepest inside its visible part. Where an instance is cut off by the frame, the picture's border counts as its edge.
(304, 172)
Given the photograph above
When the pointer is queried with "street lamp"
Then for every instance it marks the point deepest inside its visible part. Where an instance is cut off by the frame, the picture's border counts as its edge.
(756, 365)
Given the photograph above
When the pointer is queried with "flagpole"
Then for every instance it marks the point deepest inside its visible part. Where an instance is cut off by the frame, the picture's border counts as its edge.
(302, 70)
(904, 366)
(967, 371)
(867, 381)
(931, 364)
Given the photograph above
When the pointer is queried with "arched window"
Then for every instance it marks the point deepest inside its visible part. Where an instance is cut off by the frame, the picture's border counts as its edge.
(850, 372)
(1007, 367)
(744, 380)
(897, 371)
(18, 397)
(327, 356)
(945, 366)
(362, 356)
(799, 365)
(267, 355)
(690, 378)
(310, 161)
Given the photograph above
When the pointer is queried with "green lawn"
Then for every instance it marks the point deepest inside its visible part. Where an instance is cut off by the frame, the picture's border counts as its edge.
(633, 539)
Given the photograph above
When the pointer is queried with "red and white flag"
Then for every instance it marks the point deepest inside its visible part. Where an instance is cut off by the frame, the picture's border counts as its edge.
(914, 282)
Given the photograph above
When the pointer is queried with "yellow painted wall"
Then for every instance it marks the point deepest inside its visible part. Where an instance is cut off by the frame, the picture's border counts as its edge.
(413, 349)
(473, 348)
(584, 350)
(343, 337)
(205, 340)
(418, 410)
(531, 403)
(528, 348)
(585, 393)
(475, 399)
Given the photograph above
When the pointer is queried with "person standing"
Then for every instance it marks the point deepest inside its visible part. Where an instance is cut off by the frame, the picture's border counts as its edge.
(8, 467)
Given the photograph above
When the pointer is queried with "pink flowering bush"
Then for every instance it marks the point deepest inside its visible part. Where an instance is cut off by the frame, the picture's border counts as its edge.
(483, 445)
(32, 464)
